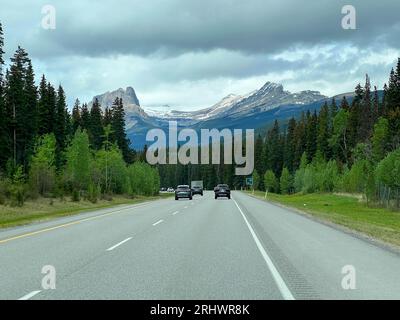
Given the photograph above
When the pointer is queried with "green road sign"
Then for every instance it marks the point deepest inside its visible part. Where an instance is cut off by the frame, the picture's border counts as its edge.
(249, 181)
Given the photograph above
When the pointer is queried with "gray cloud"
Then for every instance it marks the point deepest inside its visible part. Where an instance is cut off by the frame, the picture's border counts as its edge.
(190, 53)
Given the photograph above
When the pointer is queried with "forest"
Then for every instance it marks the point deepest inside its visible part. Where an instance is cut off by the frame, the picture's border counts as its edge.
(350, 147)
(46, 151)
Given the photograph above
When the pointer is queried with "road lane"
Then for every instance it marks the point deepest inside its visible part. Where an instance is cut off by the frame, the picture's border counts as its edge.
(71, 247)
(310, 255)
(204, 251)
(207, 253)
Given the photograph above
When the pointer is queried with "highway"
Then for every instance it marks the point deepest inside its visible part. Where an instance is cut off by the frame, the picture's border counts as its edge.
(243, 248)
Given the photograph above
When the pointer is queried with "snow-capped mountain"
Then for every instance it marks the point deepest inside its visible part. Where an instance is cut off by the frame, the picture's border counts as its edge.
(233, 111)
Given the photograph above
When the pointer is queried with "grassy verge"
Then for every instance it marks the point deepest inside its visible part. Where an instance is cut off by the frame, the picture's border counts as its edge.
(348, 211)
(45, 209)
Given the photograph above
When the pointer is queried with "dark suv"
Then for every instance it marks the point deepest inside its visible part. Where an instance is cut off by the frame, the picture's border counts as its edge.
(197, 190)
(183, 191)
(222, 190)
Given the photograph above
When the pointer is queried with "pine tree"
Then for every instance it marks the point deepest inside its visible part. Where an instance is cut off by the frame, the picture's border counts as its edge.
(365, 123)
(118, 127)
(96, 127)
(311, 135)
(4, 123)
(85, 117)
(60, 126)
(107, 119)
(324, 132)
(20, 106)
(76, 116)
(43, 111)
(290, 145)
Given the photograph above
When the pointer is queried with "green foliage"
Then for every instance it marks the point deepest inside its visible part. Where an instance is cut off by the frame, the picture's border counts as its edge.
(79, 160)
(109, 170)
(143, 179)
(256, 180)
(270, 182)
(42, 174)
(380, 139)
(286, 183)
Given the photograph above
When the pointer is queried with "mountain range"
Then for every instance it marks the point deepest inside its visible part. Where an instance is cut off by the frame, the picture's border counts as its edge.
(252, 111)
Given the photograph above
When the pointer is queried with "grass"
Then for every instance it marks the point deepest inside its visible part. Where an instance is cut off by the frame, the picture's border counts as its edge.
(349, 211)
(45, 209)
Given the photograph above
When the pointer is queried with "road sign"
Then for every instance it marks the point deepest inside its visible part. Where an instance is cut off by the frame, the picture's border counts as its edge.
(249, 181)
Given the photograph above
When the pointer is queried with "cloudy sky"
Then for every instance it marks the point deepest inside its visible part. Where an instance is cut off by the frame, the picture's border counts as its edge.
(190, 53)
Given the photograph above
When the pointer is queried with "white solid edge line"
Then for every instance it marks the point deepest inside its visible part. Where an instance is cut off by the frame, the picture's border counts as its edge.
(118, 244)
(287, 295)
(30, 295)
(156, 223)
(174, 213)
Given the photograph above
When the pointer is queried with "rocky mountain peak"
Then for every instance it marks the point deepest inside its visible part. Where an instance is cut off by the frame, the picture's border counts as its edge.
(128, 97)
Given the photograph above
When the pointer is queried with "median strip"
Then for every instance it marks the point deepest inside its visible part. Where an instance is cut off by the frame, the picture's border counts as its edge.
(118, 244)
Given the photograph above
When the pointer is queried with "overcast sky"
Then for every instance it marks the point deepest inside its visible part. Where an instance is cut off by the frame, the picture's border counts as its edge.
(190, 53)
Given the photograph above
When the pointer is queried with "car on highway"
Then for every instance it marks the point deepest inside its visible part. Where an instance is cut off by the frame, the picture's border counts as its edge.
(170, 189)
(197, 190)
(183, 191)
(222, 190)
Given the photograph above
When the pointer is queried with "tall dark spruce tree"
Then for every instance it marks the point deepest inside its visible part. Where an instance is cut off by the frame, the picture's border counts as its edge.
(20, 104)
(118, 128)
(96, 126)
(76, 115)
(4, 119)
(85, 117)
(60, 127)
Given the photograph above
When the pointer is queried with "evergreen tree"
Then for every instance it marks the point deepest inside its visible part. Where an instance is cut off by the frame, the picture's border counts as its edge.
(324, 132)
(118, 127)
(365, 123)
(20, 104)
(311, 135)
(96, 126)
(290, 145)
(76, 116)
(43, 110)
(85, 117)
(4, 116)
(60, 126)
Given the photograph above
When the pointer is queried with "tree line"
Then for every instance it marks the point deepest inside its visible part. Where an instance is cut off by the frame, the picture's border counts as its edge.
(351, 147)
(46, 150)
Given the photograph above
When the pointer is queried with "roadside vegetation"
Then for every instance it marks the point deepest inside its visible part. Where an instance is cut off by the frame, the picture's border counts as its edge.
(353, 148)
(350, 211)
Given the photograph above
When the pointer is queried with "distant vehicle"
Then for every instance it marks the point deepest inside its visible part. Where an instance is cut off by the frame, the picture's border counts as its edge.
(197, 187)
(170, 189)
(183, 191)
(222, 190)
(163, 189)
(197, 190)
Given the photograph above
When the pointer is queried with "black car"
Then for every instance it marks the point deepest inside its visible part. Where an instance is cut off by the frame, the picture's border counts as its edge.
(197, 190)
(222, 190)
(183, 191)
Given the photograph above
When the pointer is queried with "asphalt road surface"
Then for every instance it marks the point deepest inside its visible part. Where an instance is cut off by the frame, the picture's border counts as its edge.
(242, 248)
